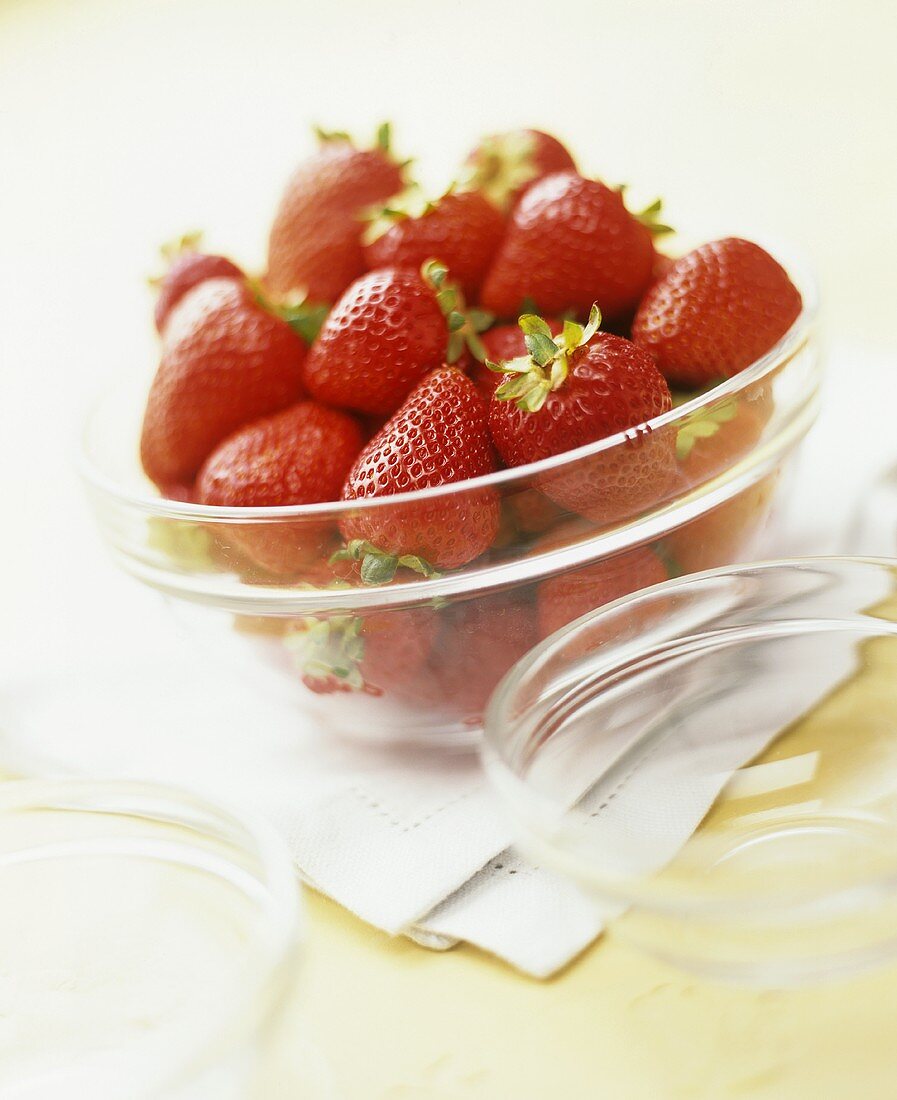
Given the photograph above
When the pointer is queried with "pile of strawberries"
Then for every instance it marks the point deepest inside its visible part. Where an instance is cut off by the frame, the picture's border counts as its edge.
(398, 343)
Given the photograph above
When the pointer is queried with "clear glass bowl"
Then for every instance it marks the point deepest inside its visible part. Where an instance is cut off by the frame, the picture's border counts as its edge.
(148, 943)
(717, 757)
(417, 659)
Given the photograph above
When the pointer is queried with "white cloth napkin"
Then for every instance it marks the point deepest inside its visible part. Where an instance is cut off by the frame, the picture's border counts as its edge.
(412, 843)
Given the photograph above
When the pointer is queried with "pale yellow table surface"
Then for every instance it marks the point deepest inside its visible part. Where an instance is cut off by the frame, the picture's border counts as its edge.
(123, 123)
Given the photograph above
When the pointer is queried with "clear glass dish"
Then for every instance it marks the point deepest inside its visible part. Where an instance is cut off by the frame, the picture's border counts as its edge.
(873, 525)
(716, 757)
(416, 659)
(148, 944)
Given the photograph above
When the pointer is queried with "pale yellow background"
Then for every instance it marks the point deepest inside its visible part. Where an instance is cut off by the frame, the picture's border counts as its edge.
(122, 123)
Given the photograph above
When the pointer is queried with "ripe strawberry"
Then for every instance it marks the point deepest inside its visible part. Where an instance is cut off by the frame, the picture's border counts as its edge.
(298, 456)
(462, 230)
(582, 388)
(379, 653)
(505, 165)
(716, 311)
(531, 512)
(501, 343)
(570, 241)
(438, 437)
(386, 332)
(225, 361)
(187, 267)
(567, 596)
(315, 242)
(480, 640)
(728, 533)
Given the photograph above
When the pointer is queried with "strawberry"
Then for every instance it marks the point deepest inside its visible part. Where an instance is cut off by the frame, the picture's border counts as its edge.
(300, 455)
(462, 230)
(728, 533)
(315, 241)
(567, 596)
(569, 242)
(225, 361)
(187, 267)
(438, 437)
(505, 165)
(377, 653)
(532, 512)
(386, 332)
(479, 641)
(501, 343)
(716, 311)
(582, 388)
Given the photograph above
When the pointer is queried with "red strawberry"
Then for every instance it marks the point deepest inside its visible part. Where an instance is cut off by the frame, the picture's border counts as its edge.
(386, 332)
(225, 361)
(479, 642)
(570, 241)
(563, 598)
(462, 230)
(584, 387)
(532, 512)
(716, 311)
(501, 343)
(438, 437)
(187, 267)
(378, 653)
(505, 165)
(728, 533)
(298, 456)
(315, 241)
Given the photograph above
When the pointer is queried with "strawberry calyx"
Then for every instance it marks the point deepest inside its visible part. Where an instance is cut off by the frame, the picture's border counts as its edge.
(649, 217)
(172, 250)
(378, 566)
(328, 652)
(464, 325)
(382, 141)
(668, 559)
(410, 203)
(501, 166)
(532, 377)
(304, 317)
(187, 242)
(188, 545)
(703, 425)
(382, 136)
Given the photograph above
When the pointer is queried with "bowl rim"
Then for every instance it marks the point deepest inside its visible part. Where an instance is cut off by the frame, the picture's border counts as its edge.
(522, 800)
(798, 269)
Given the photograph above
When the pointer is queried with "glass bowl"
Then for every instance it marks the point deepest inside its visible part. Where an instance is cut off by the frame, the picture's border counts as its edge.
(417, 658)
(717, 756)
(148, 944)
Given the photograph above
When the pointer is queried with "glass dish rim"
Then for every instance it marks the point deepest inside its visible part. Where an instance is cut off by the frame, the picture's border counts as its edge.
(164, 508)
(522, 800)
(281, 927)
